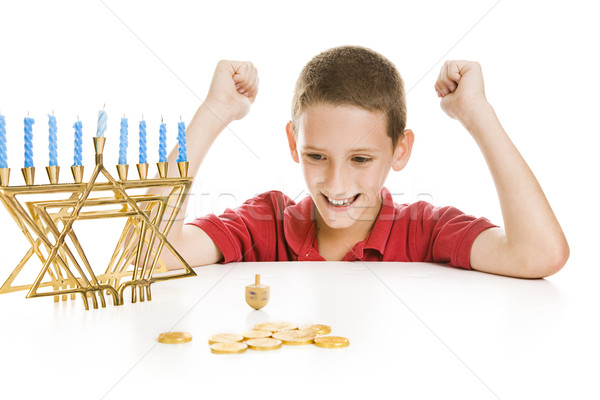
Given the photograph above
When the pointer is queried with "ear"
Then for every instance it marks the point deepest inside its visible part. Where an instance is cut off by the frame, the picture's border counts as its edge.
(291, 136)
(403, 150)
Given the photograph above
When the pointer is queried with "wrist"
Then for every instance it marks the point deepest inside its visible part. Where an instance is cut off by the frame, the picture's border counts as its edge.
(208, 122)
(484, 127)
(220, 111)
(475, 115)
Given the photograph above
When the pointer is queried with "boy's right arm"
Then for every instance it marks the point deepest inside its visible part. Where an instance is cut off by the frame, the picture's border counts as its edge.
(232, 91)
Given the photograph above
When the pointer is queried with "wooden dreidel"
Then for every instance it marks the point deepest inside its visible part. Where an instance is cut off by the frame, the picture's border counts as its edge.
(257, 295)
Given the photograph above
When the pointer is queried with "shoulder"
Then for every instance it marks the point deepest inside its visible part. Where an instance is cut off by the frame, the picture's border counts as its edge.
(412, 211)
(425, 210)
(271, 197)
(262, 207)
(272, 200)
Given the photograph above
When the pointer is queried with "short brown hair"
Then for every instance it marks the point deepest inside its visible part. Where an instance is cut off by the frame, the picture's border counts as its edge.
(357, 76)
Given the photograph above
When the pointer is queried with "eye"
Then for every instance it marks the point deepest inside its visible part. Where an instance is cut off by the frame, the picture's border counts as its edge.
(361, 160)
(314, 156)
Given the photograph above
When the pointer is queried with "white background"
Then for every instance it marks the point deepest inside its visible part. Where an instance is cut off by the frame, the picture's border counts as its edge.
(540, 62)
(539, 59)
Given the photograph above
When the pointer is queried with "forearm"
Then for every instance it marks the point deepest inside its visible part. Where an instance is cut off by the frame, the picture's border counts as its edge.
(203, 129)
(232, 91)
(533, 234)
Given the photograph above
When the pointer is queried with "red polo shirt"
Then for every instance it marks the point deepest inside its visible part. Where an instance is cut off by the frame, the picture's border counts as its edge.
(272, 227)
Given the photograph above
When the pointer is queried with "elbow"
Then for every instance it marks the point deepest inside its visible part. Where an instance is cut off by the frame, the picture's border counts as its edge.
(549, 261)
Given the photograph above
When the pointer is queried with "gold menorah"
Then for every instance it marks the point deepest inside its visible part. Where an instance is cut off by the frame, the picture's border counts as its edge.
(47, 224)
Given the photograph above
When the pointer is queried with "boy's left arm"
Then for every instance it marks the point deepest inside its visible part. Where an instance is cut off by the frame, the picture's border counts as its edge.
(532, 243)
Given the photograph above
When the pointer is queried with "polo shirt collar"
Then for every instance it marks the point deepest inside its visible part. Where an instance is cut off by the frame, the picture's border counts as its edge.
(379, 235)
(299, 226)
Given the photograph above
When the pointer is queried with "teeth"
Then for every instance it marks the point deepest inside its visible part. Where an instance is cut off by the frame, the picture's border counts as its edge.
(340, 202)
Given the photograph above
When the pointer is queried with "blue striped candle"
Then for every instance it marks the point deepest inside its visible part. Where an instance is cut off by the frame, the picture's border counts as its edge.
(77, 151)
(102, 118)
(182, 156)
(123, 143)
(28, 141)
(3, 151)
(162, 143)
(52, 146)
(143, 146)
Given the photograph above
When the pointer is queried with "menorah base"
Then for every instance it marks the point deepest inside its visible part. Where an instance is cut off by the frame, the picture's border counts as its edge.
(49, 226)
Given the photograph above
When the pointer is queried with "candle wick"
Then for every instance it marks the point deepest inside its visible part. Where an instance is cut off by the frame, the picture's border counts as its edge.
(104, 106)
(161, 119)
(53, 111)
(77, 117)
(181, 119)
(27, 113)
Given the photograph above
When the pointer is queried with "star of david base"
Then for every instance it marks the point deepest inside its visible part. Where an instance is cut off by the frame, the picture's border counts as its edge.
(46, 215)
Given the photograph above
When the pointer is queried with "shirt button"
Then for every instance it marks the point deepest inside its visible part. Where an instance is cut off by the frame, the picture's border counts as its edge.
(307, 254)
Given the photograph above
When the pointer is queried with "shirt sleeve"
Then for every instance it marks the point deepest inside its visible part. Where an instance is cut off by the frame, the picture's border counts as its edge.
(446, 234)
(248, 232)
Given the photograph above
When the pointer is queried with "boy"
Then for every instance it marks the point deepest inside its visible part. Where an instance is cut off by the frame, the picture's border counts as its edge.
(347, 131)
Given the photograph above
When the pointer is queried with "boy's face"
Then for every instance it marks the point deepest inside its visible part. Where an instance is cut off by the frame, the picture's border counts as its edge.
(346, 155)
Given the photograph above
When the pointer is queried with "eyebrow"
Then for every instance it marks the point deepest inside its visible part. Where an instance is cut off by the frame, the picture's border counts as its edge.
(356, 150)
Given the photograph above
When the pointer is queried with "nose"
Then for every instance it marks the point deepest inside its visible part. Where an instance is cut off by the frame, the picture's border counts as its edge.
(336, 179)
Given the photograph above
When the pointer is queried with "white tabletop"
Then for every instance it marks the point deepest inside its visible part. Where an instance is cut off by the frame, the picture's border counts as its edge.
(416, 331)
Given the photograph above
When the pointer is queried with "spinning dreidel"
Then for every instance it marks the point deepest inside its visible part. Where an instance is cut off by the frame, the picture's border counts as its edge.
(257, 295)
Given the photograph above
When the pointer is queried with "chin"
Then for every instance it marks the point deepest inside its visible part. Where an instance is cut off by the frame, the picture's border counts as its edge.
(338, 218)
(339, 223)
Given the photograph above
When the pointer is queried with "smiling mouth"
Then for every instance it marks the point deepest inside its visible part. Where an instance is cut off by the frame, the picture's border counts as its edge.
(342, 202)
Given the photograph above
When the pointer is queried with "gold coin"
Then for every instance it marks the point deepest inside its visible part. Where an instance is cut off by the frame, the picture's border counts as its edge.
(318, 328)
(296, 337)
(332, 342)
(255, 334)
(274, 326)
(264, 344)
(225, 338)
(228, 347)
(174, 337)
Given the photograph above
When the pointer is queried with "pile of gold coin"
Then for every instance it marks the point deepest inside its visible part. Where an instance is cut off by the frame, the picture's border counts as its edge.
(271, 335)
